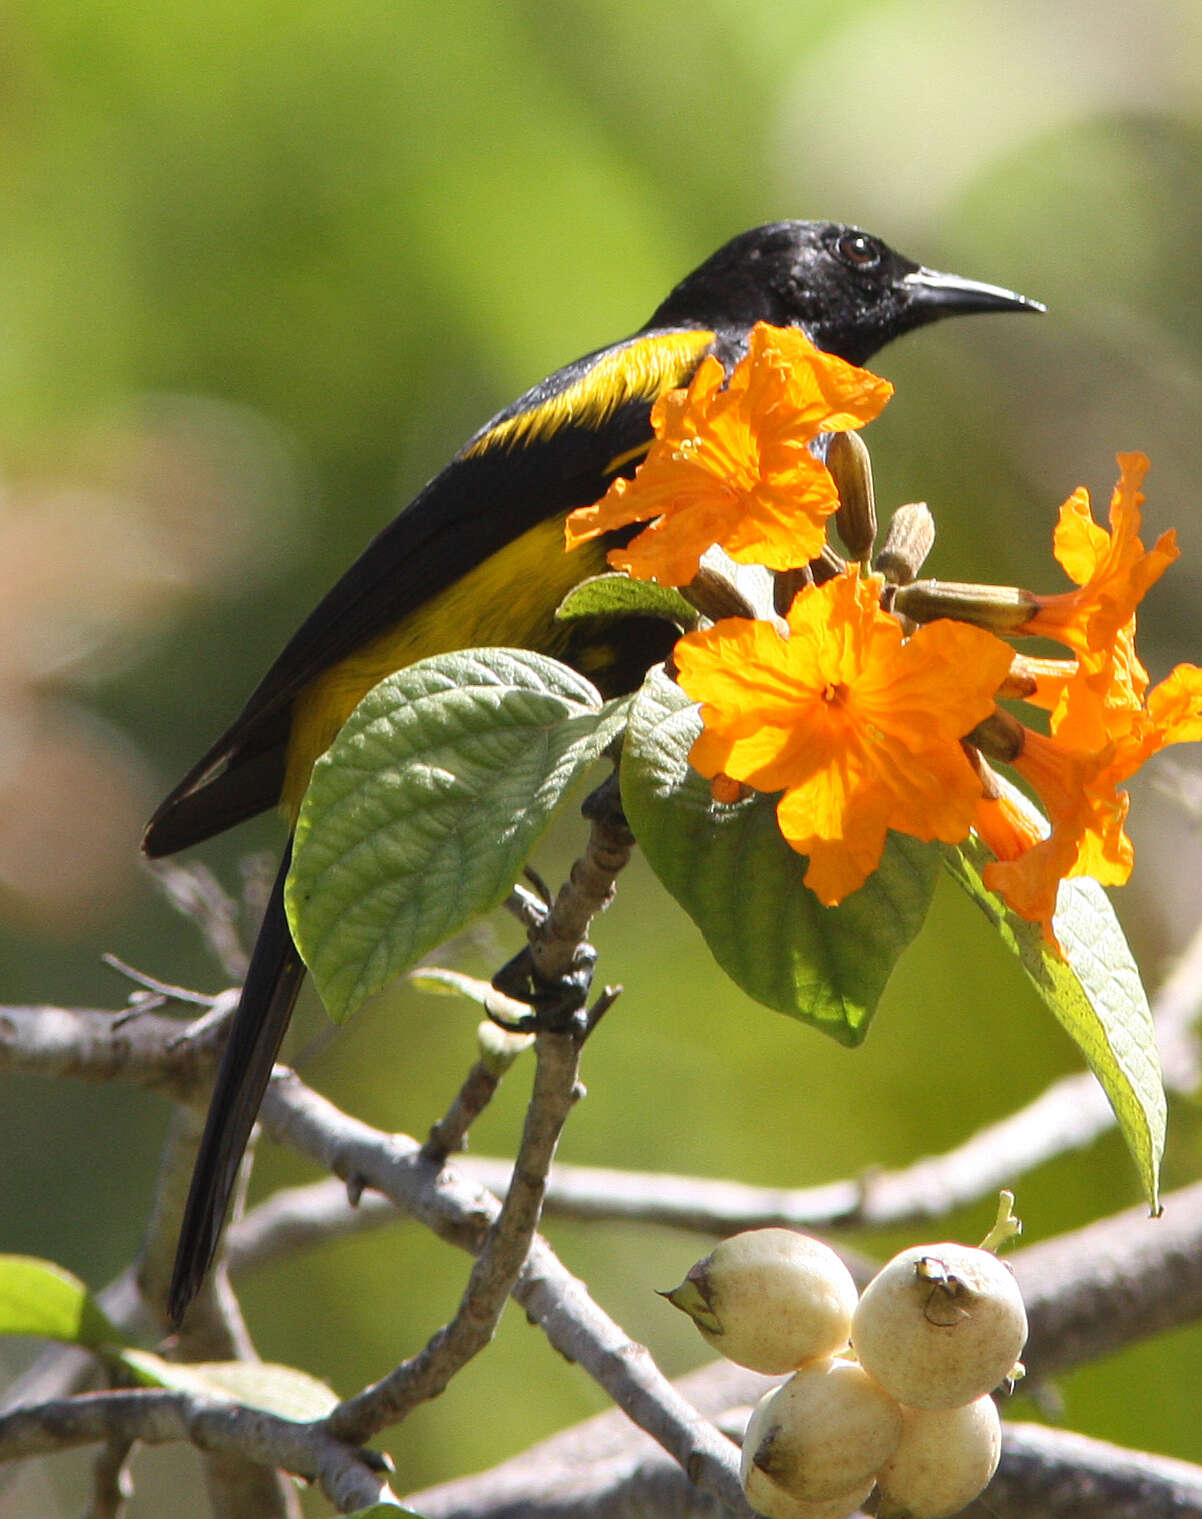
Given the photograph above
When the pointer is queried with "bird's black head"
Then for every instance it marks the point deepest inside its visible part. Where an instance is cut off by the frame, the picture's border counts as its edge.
(848, 290)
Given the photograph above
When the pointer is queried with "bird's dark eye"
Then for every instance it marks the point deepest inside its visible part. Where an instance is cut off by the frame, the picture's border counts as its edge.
(858, 250)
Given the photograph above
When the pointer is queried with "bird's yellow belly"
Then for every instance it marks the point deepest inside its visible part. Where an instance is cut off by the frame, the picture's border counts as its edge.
(509, 600)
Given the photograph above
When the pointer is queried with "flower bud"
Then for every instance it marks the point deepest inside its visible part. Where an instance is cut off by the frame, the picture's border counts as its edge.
(1000, 736)
(910, 538)
(851, 468)
(940, 1325)
(999, 608)
(716, 596)
(770, 1299)
(945, 1457)
(823, 1434)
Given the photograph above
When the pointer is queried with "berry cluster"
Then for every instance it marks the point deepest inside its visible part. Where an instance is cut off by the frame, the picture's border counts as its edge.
(906, 1410)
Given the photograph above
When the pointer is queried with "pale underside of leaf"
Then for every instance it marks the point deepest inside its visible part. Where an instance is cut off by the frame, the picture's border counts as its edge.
(1095, 993)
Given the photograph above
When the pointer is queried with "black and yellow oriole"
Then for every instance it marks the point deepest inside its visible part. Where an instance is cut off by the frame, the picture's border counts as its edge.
(477, 559)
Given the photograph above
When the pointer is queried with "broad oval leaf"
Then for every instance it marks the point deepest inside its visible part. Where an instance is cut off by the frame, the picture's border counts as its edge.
(741, 883)
(426, 806)
(41, 1299)
(1095, 993)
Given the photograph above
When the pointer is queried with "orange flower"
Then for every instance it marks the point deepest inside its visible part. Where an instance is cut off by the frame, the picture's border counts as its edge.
(1113, 570)
(1103, 730)
(1006, 829)
(731, 462)
(1086, 823)
(858, 726)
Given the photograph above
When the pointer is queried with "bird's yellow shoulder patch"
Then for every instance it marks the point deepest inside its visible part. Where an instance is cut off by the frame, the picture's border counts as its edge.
(637, 371)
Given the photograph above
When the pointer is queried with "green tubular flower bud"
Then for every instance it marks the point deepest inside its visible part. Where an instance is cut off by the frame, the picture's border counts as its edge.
(851, 468)
(910, 538)
(1000, 608)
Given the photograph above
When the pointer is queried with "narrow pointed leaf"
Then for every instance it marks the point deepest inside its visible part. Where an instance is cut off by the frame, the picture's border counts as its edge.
(427, 805)
(737, 878)
(1095, 993)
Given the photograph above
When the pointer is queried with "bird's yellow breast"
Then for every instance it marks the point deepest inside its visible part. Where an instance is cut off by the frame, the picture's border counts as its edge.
(509, 600)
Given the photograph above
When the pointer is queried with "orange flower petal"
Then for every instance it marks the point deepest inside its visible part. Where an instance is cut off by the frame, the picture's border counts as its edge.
(1113, 570)
(1004, 828)
(731, 464)
(858, 727)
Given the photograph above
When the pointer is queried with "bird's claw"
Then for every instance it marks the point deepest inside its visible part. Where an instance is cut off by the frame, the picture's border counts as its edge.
(557, 1004)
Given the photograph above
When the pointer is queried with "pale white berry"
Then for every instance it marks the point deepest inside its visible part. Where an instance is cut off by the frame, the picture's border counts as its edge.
(822, 1435)
(940, 1325)
(774, 1503)
(770, 1299)
(945, 1457)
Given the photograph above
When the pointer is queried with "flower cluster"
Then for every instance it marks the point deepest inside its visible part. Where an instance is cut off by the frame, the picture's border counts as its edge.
(873, 706)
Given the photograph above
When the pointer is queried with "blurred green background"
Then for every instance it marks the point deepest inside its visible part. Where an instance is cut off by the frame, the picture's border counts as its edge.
(263, 268)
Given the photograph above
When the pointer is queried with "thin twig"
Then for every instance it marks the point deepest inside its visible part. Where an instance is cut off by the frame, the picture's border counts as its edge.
(495, 1272)
(556, 939)
(449, 1133)
(163, 991)
(154, 1416)
(603, 1468)
(112, 1485)
(461, 1213)
(92, 1044)
(195, 891)
(1157, 1250)
(526, 906)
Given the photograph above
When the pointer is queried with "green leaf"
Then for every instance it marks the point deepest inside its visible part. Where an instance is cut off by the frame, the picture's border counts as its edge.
(39, 1298)
(619, 596)
(427, 805)
(280, 1390)
(1095, 993)
(737, 878)
(440, 982)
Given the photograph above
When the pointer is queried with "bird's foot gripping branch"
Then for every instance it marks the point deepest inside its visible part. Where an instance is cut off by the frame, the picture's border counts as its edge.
(797, 781)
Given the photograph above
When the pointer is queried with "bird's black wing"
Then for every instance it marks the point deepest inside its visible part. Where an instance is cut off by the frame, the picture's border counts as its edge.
(557, 447)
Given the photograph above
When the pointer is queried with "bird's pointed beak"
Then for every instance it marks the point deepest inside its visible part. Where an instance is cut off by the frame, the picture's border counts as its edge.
(949, 295)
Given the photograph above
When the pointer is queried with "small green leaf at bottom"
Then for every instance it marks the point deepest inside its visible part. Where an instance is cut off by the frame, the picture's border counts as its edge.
(732, 871)
(44, 1300)
(280, 1390)
(1095, 993)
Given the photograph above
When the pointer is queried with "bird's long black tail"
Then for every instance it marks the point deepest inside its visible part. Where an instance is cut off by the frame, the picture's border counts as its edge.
(269, 993)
